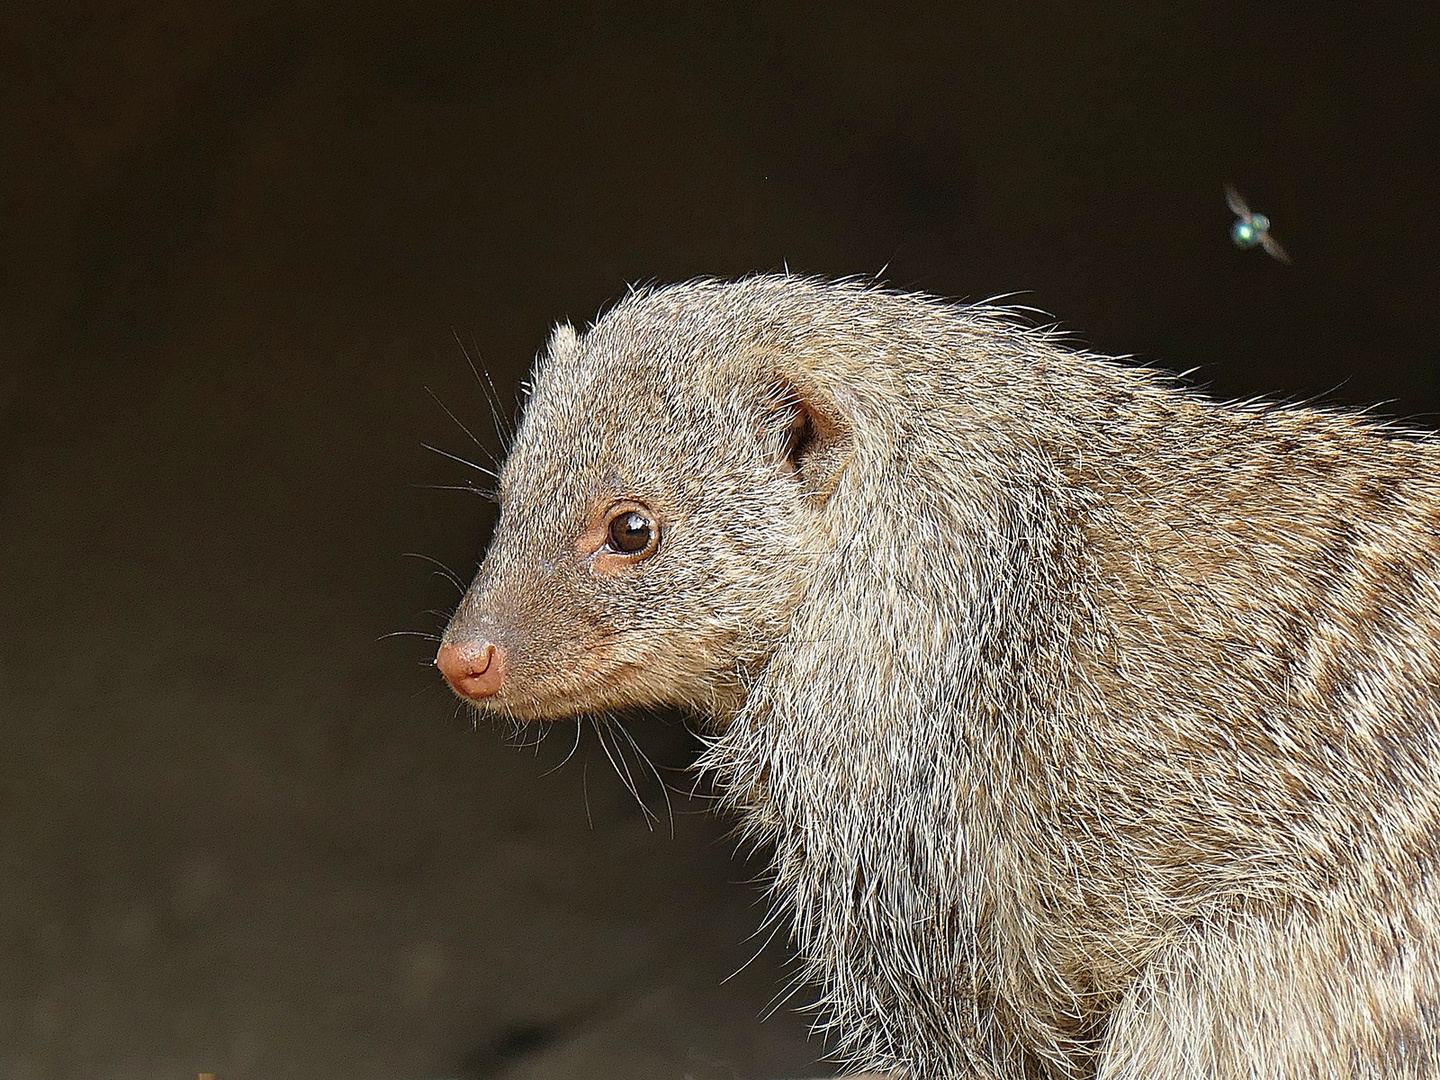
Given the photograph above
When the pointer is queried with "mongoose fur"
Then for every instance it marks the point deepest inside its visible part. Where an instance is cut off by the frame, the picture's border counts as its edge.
(1094, 725)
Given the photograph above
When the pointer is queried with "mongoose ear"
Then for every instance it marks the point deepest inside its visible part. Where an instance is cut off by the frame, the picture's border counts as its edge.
(818, 438)
(564, 342)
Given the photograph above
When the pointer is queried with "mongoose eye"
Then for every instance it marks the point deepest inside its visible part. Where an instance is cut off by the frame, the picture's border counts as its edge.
(632, 533)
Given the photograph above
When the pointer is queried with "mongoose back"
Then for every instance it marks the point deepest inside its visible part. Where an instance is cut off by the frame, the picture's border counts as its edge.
(1094, 725)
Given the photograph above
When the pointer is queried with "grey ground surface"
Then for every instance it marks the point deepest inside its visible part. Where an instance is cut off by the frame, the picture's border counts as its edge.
(241, 830)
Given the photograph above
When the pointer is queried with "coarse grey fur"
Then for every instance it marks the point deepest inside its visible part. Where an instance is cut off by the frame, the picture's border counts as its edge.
(1092, 723)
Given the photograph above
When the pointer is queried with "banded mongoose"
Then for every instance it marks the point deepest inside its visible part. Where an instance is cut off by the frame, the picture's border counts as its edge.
(1094, 725)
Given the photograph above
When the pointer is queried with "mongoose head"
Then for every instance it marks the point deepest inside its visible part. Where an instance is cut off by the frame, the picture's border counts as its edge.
(659, 509)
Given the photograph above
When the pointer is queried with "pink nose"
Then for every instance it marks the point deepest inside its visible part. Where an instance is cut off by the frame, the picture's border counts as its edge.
(474, 669)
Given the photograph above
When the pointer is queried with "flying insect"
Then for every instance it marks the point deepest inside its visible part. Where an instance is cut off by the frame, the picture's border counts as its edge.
(1252, 229)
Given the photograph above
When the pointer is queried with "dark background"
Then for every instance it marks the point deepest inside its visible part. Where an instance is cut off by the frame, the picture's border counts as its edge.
(241, 831)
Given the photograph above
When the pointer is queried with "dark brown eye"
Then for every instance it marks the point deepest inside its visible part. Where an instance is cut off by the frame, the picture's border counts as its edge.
(631, 533)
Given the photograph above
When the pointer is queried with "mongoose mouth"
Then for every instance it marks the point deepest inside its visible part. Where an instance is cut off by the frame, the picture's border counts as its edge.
(481, 672)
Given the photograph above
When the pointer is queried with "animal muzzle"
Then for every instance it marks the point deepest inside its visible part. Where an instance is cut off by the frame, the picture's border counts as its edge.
(474, 669)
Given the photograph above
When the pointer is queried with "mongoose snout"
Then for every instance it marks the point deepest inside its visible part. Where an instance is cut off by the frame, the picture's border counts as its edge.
(474, 669)
(473, 656)
(1140, 775)
(544, 633)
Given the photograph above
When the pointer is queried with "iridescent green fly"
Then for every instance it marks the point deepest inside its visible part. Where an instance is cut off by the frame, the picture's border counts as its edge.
(1251, 228)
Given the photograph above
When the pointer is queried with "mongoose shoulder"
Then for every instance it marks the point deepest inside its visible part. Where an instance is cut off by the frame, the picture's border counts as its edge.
(1094, 725)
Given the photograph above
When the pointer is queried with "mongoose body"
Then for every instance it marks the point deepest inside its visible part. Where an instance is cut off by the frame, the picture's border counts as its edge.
(1094, 725)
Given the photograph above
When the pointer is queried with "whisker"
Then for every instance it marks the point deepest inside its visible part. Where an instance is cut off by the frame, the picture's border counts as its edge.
(664, 787)
(487, 388)
(425, 634)
(622, 770)
(575, 746)
(463, 461)
(525, 736)
(585, 787)
(458, 423)
(445, 571)
(488, 494)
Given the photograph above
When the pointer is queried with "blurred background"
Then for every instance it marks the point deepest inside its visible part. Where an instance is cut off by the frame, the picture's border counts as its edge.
(246, 247)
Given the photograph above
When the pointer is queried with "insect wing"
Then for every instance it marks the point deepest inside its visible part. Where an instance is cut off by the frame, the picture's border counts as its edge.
(1236, 203)
(1273, 248)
